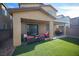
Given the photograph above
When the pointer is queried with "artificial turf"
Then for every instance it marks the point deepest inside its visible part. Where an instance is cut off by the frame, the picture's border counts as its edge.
(57, 47)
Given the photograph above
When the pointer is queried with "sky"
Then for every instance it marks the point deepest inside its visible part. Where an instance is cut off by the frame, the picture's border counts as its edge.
(67, 9)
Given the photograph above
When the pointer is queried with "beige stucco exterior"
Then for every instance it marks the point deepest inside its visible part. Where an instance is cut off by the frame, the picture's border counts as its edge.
(43, 16)
(42, 28)
(50, 10)
(36, 15)
(16, 31)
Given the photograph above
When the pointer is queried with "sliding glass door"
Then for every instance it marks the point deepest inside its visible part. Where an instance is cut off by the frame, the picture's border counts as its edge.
(32, 29)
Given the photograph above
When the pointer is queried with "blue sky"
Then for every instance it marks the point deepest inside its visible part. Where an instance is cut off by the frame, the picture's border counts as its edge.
(67, 9)
(11, 5)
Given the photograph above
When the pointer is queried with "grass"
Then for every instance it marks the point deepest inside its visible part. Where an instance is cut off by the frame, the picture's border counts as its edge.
(57, 47)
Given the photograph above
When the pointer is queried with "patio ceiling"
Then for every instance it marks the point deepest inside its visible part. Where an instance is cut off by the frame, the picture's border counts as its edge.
(32, 21)
(59, 23)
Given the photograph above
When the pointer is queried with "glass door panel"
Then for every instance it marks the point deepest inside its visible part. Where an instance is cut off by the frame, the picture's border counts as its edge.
(32, 29)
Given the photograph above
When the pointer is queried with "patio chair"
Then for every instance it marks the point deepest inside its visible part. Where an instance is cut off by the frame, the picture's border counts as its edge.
(37, 38)
(30, 39)
(27, 38)
(46, 35)
(41, 37)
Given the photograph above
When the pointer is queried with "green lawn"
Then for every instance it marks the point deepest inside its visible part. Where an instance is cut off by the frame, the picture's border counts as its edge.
(57, 47)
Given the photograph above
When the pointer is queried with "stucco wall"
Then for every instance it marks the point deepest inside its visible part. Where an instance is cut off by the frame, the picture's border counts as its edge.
(49, 10)
(42, 28)
(16, 31)
(23, 28)
(36, 15)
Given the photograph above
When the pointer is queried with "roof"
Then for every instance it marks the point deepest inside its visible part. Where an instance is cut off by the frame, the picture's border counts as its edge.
(51, 7)
(30, 3)
(41, 5)
(13, 10)
(74, 18)
(3, 5)
(59, 21)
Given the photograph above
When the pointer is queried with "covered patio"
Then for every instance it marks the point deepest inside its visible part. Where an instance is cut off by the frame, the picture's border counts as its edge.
(34, 26)
(34, 30)
(35, 19)
(59, 29)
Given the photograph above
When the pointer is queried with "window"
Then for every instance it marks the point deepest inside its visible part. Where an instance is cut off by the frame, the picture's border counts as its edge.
(1, 26)
(5, 26)
(32, 29)
(4, 11)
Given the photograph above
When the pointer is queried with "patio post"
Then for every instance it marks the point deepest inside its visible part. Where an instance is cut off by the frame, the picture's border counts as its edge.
(51, 29)
(16, 31)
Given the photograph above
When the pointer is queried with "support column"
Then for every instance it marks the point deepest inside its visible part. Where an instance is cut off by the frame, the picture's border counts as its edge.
(16, 31)
(51, 29)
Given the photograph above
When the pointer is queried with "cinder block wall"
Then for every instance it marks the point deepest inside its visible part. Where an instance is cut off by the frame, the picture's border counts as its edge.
(74, 27)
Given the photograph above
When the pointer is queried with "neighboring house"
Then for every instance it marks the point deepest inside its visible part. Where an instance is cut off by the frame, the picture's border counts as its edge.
(5, 22)
(3, 17)
(6, 44)
(33, 19)
(64, 21)
(74, 27)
